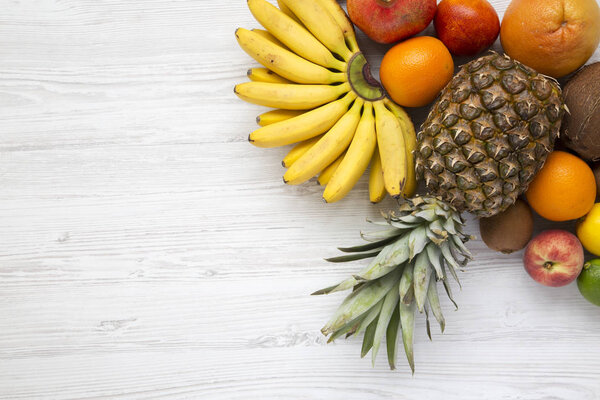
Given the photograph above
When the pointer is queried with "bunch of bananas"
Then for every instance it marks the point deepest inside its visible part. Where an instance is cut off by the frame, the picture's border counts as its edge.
(325, 100)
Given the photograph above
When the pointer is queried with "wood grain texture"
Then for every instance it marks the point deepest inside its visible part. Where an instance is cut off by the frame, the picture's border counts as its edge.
(147, 251)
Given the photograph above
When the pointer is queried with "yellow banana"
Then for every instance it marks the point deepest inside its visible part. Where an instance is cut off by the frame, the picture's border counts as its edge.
(265, 75)
(392, 149)
(293, 35)
(289, 96)
(318, 20)
(298, 150)
(270, 37)
(326, 150)
(356, 160)
(410, 139)
(273, 116)
(376, 186)
(284, 62)
(339, 15)
(327, 173)
(302, 127)
(284, 9)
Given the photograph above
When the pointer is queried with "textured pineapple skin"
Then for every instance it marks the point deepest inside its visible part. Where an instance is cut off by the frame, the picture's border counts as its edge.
(488, 134)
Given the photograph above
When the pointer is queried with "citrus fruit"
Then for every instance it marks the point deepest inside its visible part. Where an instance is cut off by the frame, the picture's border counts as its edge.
(466, 27)
(588, 281)
(588, 230)
(554, 37)
(414, 71)
(563, 189)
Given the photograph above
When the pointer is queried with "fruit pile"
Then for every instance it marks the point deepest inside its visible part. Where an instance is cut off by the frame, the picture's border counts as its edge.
(487, 146)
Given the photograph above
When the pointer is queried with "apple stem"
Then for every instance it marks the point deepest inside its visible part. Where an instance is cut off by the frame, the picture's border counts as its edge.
(548, 264)
(587, 265)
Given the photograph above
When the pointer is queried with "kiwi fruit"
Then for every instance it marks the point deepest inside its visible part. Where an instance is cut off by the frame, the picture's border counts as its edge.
(510, 230)
(580, 128)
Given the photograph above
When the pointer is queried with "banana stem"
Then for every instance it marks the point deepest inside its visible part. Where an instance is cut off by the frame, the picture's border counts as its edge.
(361, 80)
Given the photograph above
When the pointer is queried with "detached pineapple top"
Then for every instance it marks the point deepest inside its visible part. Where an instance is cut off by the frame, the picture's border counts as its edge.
(488, 134)
(423, 241)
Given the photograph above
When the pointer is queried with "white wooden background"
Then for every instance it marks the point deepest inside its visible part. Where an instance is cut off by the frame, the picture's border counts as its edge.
(147, 251)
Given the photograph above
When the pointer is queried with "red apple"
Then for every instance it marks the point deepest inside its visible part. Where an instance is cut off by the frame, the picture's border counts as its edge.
(554, 258)
(466, 27)
(389, 21)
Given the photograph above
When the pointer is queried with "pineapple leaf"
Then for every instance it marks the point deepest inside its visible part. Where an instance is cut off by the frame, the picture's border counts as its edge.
(380, 235)
(326, 290)
(427, 214)
(379, 223)
(437, 228)
(348, 328)
(411, 219)
(368, 338)
(445, 248)
(427, 325)
(359, 302)
(352, 257)
(421, 277)
(389, 304)
(448, 288)
(456, 217)
(387, 260)
(456, 255)
(368, 246)
(370, 316)
(434, 302)
(452, 263)
(433, 253)
(345, 285)
(417, 239)
(445, 214)
(449, 226)
(405, 289)
(402, 225)
(454, 275)
(435, 238)
(407, 320)
(391, 337)
(462, 249)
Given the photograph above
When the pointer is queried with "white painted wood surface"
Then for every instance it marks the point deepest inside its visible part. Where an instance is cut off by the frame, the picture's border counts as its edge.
(147, 251)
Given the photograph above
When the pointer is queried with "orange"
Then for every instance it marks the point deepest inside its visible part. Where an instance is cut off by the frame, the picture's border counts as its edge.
(564, 189)
(414, 71)
(554, 37)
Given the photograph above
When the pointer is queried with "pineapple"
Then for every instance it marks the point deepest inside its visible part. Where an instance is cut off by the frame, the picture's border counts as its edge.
(422, 243)
(484, 140)
(488, 134)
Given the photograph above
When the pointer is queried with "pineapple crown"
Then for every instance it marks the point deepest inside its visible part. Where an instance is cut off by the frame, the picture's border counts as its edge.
(424, 239)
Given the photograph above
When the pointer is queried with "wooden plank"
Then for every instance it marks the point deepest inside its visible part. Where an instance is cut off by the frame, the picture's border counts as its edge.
(147, 251)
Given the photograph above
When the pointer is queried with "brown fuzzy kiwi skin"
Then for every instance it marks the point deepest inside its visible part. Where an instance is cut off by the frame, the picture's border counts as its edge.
(510, 230)
(580, 130)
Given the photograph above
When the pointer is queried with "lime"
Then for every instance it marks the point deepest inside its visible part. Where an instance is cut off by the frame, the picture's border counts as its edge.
(588, 281)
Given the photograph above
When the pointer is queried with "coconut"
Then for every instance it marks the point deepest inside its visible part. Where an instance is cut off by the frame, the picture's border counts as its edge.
(508, 231)
(581, 125)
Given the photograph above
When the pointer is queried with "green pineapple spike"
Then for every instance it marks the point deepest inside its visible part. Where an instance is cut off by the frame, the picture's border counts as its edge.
(389, 305)
(368, 338)
(391, 337)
